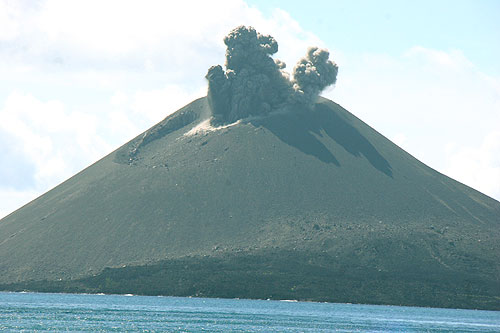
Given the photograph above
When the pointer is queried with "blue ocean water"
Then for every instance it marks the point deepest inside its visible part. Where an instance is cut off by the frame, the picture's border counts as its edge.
(77, 312)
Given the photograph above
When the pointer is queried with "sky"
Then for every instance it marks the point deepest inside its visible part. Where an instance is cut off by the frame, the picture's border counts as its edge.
(80, 78)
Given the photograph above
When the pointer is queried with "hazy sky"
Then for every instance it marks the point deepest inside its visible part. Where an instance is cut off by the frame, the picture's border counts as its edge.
(80, 78)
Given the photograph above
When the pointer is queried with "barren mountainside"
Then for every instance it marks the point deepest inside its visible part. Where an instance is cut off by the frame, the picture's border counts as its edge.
(307, 204)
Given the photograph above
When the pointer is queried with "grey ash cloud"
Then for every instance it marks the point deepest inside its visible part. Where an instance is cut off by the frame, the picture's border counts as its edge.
(254, 83)
(314, 73)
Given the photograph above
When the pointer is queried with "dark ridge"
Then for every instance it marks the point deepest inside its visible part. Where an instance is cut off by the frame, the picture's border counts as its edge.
(172, 123)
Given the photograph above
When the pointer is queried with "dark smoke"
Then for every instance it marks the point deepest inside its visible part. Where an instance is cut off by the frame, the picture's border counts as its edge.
(254, 83)
(313, 73)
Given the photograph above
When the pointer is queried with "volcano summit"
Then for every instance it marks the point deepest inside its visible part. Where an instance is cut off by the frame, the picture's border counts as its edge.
(262, 189)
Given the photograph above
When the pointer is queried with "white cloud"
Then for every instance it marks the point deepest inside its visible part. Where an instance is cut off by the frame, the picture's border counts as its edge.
(427, 100)
(12, 199)
(176, 39)
(9, 26)
(156, 104)
(477, 166)
(50, 137)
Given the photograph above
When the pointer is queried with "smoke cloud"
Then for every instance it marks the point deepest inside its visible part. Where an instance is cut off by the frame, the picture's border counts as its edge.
(254, 83)
(313, 73)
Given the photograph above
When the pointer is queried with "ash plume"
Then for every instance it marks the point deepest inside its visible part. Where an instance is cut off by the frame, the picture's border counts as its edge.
(313, 73)
(254, 83)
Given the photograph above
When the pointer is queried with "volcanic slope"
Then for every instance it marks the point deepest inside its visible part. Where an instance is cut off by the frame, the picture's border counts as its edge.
(298, 205)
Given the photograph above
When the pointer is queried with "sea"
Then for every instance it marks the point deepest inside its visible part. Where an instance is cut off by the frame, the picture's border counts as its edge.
(84, 312)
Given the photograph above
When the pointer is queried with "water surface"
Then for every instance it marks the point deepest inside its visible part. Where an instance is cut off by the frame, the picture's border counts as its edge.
(66, 312)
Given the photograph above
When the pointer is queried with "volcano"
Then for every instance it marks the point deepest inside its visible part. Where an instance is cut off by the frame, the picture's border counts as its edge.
(300, 205)
(263, 190)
